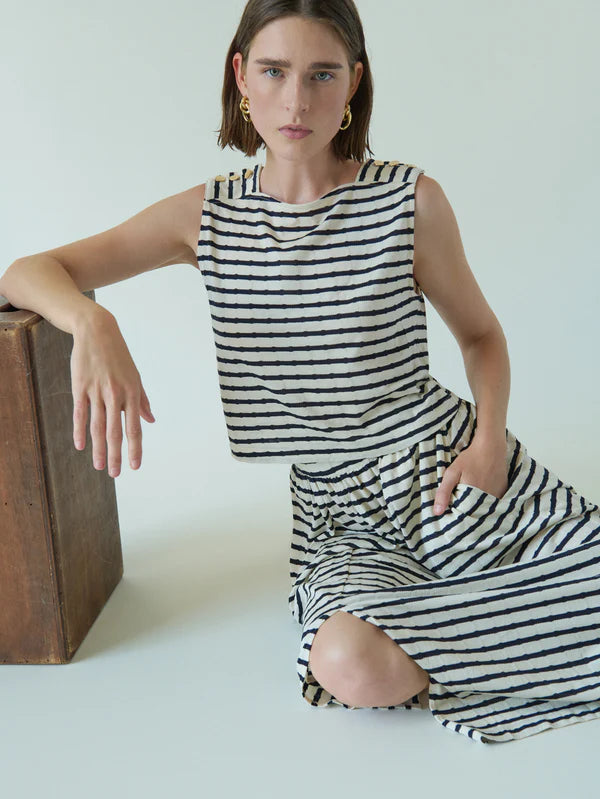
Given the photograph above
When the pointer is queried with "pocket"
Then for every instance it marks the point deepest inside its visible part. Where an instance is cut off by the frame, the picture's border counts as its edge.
(469, 500)
(460, 487)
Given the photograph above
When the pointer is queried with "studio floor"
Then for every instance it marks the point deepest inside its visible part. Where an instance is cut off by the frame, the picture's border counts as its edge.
(186, 683)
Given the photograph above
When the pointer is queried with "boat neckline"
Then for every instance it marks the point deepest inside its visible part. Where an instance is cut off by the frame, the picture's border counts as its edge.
(258, 193)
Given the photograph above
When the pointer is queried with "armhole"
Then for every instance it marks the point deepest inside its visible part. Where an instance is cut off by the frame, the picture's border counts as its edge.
(199, 228)
(414, 174)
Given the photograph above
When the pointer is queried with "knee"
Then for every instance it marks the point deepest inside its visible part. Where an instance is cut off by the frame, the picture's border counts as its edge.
(341, 645)
(352, 659)
(340, 654)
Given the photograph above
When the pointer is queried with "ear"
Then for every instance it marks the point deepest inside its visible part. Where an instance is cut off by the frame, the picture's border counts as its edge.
(358, 71)
(240, 78)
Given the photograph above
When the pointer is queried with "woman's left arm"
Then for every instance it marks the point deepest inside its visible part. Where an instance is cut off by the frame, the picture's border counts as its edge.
(441, 271)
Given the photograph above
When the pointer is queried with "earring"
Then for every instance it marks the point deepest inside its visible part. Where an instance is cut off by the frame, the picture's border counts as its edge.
(347, 113)
(245, 108)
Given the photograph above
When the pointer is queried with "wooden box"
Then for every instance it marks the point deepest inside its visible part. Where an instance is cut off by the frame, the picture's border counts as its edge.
(60, 544)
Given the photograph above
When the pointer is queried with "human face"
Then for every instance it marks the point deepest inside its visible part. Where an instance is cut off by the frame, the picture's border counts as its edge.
(297, 74)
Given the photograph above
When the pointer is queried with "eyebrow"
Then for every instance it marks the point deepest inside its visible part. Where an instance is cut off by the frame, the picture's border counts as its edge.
(282, 62)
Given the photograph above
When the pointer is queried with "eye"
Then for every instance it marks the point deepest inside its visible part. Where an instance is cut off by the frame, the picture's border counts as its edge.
(329, 74)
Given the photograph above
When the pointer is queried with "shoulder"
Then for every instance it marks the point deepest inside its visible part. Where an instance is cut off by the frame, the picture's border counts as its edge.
(395, 170)
(432, 208)
(228, 184)
(436, 233)
(428, 193)
(182, 214)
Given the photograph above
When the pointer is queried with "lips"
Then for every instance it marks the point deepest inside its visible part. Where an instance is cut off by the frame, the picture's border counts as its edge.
(295, 127)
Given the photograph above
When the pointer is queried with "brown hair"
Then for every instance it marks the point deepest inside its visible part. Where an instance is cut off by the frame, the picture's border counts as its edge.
(343, 17)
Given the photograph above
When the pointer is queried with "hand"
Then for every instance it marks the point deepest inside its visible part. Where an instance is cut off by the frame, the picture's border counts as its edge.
(104, 375)
(481, 465)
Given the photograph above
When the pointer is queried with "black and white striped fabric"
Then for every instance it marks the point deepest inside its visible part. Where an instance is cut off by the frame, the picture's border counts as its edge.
(498, 600)
(319, 327)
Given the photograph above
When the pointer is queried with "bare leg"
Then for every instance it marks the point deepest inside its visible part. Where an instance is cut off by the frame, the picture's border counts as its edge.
(361, 666)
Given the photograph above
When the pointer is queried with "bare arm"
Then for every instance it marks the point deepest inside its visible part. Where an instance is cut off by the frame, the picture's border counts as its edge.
(103, 373)
(443, 274)
(51, 282)
(41, 283)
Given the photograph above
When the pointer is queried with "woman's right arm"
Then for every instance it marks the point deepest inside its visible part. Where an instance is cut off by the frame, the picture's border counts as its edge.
(50, 283)
(103, 373)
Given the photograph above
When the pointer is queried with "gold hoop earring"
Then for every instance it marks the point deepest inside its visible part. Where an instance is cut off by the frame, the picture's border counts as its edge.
(348, 114)
(245, 108)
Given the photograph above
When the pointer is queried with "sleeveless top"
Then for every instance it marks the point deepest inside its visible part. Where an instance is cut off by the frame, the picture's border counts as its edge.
(319, 326)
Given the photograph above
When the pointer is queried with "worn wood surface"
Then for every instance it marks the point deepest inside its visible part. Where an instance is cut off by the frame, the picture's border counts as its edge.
(60, 544)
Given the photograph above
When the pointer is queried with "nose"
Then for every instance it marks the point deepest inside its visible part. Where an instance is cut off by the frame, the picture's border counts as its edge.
(296, 99)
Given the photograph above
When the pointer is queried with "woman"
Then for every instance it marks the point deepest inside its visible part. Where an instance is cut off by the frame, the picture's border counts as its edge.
(432, 559)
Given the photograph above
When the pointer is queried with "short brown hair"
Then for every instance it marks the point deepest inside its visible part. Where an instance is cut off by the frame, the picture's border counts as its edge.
(343, 17)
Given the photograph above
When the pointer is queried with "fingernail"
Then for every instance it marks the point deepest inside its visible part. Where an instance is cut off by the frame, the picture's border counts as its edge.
(437, 508)
(135, 463)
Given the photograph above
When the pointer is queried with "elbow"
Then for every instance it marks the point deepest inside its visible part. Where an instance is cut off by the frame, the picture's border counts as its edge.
(494, 328)
(492, 332)
(4, 281)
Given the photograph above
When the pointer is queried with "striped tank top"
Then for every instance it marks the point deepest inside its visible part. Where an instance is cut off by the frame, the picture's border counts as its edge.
(319, 326)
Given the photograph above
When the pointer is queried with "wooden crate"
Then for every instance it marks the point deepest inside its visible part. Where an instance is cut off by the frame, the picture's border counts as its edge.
(60, 543)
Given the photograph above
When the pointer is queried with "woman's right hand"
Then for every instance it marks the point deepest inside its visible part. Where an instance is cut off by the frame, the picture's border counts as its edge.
(104, 376)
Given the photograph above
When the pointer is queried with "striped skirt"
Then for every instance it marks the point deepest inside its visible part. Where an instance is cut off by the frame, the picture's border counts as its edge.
(498, 600)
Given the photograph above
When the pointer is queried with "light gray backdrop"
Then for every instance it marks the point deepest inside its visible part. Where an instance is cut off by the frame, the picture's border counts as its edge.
(109, 109)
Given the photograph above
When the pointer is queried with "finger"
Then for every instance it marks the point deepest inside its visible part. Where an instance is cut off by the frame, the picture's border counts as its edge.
(98, 431)
(133, 429)
(444, 491)
(114, 436)
(145, 407)
(80, 415)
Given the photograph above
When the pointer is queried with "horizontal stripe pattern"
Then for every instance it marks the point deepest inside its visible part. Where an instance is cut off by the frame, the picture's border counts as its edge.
(320, 330)
(498, 600)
